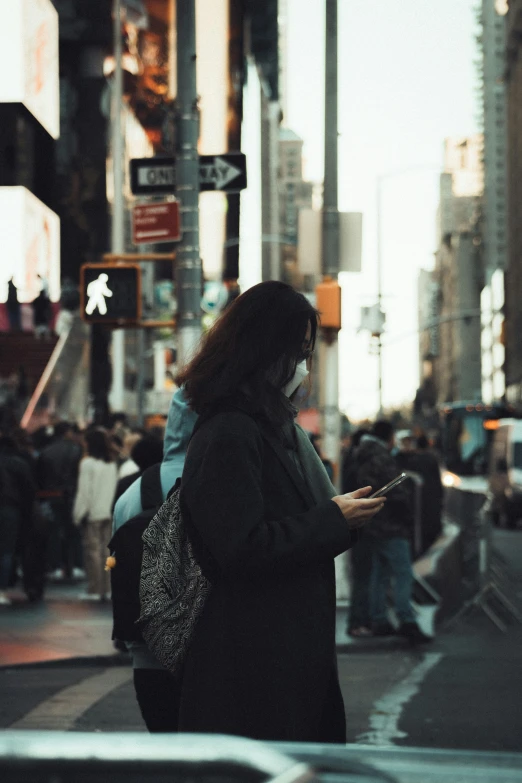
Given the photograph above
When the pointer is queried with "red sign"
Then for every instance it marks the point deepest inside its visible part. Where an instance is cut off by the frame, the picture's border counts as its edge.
(158, 222)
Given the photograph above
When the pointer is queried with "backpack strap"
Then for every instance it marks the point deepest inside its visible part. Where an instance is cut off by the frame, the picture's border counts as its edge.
(150, 488)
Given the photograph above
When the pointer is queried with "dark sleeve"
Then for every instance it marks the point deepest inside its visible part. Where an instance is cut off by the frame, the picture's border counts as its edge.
(348, 474)
(224, 499)
(379, 470)
(26, 484)
(437, 481)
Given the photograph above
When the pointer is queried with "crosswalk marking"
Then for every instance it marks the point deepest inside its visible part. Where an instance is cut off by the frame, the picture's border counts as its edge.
(62, 710)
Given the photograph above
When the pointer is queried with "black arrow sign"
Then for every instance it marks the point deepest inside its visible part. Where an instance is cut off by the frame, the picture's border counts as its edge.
(155, 176)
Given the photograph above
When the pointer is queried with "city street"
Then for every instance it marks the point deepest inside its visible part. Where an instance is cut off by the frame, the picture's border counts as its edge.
(60, 671)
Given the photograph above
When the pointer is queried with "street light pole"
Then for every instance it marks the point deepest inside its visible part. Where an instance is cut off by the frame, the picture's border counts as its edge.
(188, 262)
(117, 394)
(328, 342)
(379, 290)
(380, 179)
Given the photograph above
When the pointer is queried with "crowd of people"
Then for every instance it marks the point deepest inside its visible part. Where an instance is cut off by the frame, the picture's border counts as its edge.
(58, 488)
(261, 512)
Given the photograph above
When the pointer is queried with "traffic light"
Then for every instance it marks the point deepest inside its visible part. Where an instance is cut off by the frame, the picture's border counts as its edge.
(328, 302)
(110, 293)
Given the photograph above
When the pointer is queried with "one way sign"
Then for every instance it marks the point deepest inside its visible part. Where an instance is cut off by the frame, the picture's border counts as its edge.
(154, 176)
(223, 172)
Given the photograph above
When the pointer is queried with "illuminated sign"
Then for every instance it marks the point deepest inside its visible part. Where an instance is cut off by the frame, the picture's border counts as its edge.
(29, 59)
(30, 234)
(110, 293)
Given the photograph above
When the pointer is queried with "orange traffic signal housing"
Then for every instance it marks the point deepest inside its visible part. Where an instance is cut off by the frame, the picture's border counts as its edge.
(328, 302)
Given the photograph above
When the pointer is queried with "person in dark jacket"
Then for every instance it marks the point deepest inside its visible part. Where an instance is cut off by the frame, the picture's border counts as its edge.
(13, 307)
(157, 691)
(42, 314)
(432, 492)
(391, 531)
(361, 556)
(415, 456)
(57, 472)
(266, 525)
(17, 492)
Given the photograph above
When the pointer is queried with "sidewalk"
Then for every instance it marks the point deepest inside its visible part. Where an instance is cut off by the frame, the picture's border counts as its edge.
(59, 628)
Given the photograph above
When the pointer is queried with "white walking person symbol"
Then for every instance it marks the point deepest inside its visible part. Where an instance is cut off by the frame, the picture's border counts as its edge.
(97, 290)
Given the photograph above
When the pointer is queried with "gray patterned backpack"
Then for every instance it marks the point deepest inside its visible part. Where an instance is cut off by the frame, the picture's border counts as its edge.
(173, 589)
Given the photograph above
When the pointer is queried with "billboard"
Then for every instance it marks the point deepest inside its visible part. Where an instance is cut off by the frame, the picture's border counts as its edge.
(30, 234)
(29, 59)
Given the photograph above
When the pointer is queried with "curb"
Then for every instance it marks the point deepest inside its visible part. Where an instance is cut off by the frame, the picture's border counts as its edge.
(105, 661)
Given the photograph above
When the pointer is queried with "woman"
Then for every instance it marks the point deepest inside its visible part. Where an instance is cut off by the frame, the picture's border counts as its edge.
(97, 482)
(258, 507)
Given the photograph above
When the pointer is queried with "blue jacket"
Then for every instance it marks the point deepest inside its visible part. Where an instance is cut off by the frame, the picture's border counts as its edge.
(180, 423)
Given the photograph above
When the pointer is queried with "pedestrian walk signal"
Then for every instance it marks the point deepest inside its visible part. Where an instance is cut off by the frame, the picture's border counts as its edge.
(110, 293)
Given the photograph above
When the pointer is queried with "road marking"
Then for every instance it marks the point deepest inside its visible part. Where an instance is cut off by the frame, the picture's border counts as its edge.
(61, 711)
(384, 720)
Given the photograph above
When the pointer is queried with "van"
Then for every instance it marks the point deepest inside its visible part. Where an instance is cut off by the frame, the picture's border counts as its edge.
(505, 472)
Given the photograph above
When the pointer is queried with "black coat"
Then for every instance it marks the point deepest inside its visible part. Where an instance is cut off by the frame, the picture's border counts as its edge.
(432, 495)
(263, 660)
(375, 467)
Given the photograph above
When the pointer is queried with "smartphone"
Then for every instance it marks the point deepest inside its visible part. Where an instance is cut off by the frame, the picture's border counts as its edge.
(387, 487)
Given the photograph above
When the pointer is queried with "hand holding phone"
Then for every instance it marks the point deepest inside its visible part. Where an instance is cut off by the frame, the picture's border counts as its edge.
(357, 508)
(391, 485)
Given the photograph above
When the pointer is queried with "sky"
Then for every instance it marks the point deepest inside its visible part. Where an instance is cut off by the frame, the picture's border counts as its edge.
(406, 82)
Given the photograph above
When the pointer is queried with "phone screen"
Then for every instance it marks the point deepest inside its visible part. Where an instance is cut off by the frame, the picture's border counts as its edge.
(387, 487)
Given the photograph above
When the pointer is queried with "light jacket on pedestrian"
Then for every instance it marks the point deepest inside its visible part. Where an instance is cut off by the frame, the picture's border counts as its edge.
(96, 489)
(180, 424)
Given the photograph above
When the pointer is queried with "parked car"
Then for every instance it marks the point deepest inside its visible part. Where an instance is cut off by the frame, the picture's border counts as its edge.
(505, 472)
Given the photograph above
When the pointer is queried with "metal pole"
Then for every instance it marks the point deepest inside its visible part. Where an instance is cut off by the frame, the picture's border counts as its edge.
(117, 394)
(379, 288)
(140, 386)
(188, 266)
(329, 346)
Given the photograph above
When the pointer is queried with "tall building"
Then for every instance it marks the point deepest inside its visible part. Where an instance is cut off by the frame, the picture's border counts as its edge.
(494, 119)
(294, 194)
(491, 16)
(513, 310)
(449, 296)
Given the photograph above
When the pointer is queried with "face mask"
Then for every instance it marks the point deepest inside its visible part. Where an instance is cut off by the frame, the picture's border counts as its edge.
(300, 374)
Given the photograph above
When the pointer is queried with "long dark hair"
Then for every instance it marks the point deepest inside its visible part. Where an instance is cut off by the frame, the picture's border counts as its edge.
(97, 444)
(254, 347)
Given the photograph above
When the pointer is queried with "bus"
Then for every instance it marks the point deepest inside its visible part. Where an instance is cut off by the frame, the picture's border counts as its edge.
(466, 433)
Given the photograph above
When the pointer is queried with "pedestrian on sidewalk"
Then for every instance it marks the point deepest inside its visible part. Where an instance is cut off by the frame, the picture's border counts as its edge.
(42, 315)
(391, 533)
(57, 473)
(17, 492)
(13, 307)
(93, 509)
(157, 691)
(415, 456)
(266, 524)
(361, 555)
(147, 451)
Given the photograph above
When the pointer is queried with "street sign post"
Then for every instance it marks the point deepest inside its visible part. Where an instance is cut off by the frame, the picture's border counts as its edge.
(110, 293)
(157, 222)
(156, 176)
